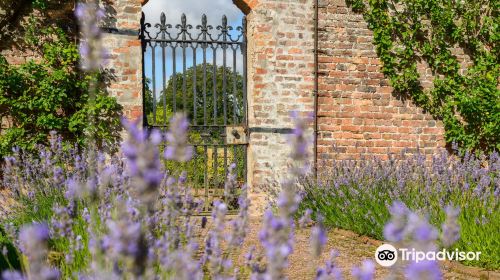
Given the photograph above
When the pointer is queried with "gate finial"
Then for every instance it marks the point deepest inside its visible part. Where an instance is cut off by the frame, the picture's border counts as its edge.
(163, 18)
(183, 19)
(224, 21)
(204, 20)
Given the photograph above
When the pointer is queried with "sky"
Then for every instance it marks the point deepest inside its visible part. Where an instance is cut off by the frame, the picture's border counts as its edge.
(194, 9)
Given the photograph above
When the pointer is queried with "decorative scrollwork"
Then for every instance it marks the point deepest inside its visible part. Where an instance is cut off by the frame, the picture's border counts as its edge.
(224, 29)
(242, 29)
(204, 28)
(183, 32)
(184, 29)
(163, 28)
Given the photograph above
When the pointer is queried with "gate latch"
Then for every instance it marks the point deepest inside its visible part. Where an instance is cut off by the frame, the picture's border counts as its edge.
(236, 135)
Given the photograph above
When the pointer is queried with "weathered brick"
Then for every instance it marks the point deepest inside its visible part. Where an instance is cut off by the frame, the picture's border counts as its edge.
(349, 59)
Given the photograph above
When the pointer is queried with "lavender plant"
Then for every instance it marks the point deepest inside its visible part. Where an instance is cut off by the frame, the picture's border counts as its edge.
(139, 221)
(330, 271)
(359, 196)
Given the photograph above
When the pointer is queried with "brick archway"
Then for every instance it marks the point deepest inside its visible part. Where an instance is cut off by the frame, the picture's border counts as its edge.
(246, 5)
(280, 79)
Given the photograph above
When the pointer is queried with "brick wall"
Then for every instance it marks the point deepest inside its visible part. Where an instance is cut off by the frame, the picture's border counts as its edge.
(280, 80)
(122, 43)
(358, 114)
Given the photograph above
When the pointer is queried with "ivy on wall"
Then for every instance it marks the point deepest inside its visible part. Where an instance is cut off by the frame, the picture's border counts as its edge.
(50, 93)
(407, 32)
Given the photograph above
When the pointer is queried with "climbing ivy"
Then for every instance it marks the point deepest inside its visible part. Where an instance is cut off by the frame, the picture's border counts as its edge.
(50, 93)
(407, 32)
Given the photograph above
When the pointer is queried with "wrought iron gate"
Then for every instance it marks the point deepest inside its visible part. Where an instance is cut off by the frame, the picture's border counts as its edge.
(200, 71)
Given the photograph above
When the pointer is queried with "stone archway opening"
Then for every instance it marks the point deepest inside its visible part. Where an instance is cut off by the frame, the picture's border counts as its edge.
(280, 78)
(195, 62)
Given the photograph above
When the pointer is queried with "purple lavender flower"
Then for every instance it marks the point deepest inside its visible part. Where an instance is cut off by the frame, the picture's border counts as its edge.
(240, 223)
(177, 139)
(230, 185)
(218, 264)
(276, 237)
(12, 275)
(306, 218)
(423, 270)
(49, 273)
(300, 143)
(91, 52)
(123, 238)
(451, 229)
(331, 271)
(73, 189)
(143, 163)
(394, 231)
(33, 240)
(318, 238)
(86, 215)
(422, 231)
(365, 272)
(420, 234)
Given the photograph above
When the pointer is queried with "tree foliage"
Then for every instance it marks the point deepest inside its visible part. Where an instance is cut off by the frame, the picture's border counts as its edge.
(200, 95)
(407, 32)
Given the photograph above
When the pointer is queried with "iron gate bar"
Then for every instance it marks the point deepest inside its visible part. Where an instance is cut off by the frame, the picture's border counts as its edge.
(154, 83)
(203, 46)
(245, 108)
(214, 80)
(174, 71)
(194, 84)
(167, 39)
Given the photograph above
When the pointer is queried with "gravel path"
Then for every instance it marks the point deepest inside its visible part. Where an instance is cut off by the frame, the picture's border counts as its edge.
(353, 250)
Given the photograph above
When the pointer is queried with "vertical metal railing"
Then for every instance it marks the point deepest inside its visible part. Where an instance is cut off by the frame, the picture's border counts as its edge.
(217, 93)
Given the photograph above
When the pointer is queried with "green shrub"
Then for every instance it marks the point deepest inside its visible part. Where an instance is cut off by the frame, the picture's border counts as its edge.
(51, 94)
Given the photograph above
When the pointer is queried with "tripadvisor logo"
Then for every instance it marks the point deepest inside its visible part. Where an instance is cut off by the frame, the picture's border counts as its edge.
(387, 255)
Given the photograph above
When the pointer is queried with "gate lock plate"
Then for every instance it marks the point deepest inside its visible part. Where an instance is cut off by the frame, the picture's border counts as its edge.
(236, 135)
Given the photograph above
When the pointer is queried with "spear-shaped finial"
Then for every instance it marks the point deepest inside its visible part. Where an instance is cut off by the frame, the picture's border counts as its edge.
(183, 20)
(163, 18)
(224, 21)
(204, 20)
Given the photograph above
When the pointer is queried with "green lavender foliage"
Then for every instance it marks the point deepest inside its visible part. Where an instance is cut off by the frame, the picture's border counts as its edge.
(11, 260)
(356, 195)
(407, 32)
